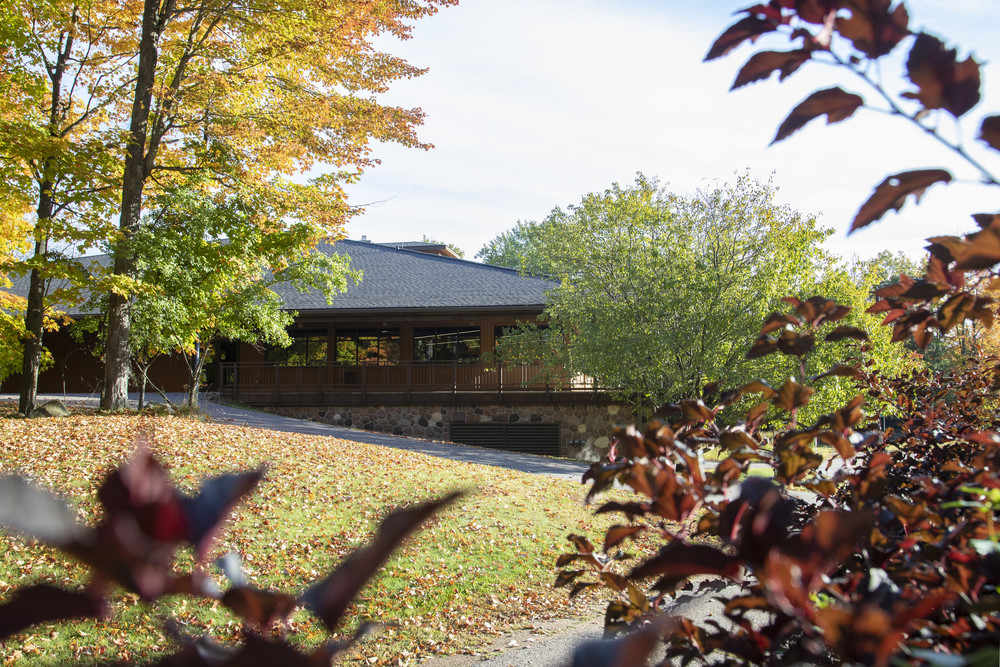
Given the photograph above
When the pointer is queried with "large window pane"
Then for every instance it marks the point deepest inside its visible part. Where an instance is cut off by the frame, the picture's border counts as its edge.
(367, 346)
(308, 347)
(446, 344)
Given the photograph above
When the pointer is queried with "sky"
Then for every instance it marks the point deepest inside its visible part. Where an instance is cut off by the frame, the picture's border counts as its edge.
(531, 104)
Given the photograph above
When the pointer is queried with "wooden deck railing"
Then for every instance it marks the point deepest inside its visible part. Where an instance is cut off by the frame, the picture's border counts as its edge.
(275, 384)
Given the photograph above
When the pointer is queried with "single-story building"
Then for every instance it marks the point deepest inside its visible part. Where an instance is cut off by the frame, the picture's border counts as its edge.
(407, 350)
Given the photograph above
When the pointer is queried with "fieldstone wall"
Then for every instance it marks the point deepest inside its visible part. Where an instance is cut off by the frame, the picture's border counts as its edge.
(584, 432)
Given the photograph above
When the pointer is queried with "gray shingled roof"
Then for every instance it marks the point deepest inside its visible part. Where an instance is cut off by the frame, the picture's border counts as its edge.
(401, 279)
(398, 278)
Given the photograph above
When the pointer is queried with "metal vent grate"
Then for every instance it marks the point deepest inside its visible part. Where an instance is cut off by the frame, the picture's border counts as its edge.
(526, 438)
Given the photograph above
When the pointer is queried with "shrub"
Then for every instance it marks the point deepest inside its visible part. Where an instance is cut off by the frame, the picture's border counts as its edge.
(887, 553)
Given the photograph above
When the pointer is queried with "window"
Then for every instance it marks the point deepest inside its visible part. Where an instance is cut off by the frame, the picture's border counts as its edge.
(454, 344)
(307, 348)
(378, 347)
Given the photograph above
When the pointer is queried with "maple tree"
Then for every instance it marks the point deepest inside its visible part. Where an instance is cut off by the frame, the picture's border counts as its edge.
(255, 93)
(58, 156)
(260, 96)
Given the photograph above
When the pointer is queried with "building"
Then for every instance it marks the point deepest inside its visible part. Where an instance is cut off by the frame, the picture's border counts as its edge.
(407, 350)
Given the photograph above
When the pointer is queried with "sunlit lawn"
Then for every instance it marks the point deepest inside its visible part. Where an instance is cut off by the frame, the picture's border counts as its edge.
(485, 565)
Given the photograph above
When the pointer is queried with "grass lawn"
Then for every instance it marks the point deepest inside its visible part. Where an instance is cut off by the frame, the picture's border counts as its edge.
(483, 566)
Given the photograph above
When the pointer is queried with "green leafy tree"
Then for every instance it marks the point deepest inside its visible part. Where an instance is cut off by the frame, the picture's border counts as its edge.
(658, 290)
(209, 267)
(525, 247)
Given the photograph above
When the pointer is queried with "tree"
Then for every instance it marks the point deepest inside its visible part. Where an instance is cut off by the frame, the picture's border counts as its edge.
(253, 93)
(524, 247)
(58, 141)
(658, 291)
(210, 266)
(12, 241)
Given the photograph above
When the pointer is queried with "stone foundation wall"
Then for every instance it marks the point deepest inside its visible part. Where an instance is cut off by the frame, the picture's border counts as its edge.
(584, 432)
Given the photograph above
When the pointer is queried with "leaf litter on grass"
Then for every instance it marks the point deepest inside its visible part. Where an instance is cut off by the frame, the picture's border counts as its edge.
(483, 567)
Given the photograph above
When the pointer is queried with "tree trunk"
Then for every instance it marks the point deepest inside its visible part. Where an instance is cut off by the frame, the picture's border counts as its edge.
(144, 376)
(34, 314)
(195, 366)
(116, 353)
(34, 320)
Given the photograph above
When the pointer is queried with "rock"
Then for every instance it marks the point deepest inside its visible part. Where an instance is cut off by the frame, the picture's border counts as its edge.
(54, 408)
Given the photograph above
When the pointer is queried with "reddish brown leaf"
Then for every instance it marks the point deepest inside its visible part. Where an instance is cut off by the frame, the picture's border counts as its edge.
(890, 291)
(987, 220)
(795, 344)
(848, 416)
(747, 28)
(756, 414)
(763, 64)
(566, 577)
(842, 332)
(838, 442)
(823, 487)
(581, 586)
(762, 347)
(954, 309)
(616, 582)
(616, 534)
(696, 411)
(329, 598)
(841, 370)
(892, 193)
(45, 604)
(990, 438)
(679, 560)
(942, 81)
(758, 387)
(989, 132)
(581, 543)
(743, 604)
(836, 103)
(261, 609)
(978, 251)
(777, 321)
(794, 464)
(818, 309)
(873, 27)
(141, 491)
(792, 395)
(737, 439)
